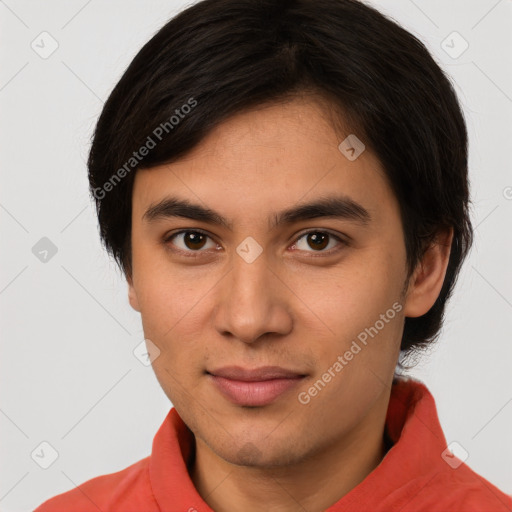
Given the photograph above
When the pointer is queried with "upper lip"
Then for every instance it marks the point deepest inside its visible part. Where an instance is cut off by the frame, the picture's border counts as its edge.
(256, 374)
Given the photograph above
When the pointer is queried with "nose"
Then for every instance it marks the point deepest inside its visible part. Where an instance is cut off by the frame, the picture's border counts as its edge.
(252, 302)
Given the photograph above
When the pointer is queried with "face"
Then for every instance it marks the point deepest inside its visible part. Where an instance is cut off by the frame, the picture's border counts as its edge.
(317, 294)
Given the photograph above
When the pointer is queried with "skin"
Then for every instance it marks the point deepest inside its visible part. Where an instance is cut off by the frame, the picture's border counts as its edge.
(295, 306)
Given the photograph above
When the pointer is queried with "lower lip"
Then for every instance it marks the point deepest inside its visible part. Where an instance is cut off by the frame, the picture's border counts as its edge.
(256, 393)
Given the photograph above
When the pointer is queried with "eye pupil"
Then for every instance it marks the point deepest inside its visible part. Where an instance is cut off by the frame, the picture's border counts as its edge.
(193, 237)
(318, 239)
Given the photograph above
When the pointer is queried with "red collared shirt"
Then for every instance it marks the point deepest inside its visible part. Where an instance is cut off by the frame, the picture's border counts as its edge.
(413, 476)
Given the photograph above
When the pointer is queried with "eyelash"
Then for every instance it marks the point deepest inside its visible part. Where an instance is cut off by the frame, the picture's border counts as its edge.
(195, 254)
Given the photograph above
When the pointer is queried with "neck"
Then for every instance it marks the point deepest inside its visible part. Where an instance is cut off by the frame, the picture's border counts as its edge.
(315, 483)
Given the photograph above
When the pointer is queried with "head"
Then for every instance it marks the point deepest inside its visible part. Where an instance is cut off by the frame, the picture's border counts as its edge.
(213, 164)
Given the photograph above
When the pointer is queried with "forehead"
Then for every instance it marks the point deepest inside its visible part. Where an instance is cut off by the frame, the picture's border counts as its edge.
(267, 159)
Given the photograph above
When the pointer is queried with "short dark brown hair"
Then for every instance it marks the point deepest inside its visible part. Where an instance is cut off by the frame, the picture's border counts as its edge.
(226, 56)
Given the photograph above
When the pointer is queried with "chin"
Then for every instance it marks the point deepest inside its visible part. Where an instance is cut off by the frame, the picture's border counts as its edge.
(261, 454)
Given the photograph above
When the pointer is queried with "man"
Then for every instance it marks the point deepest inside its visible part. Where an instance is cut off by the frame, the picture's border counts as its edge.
(284, 185)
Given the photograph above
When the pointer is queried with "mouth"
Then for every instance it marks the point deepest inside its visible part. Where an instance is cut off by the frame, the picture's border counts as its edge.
(254, 387)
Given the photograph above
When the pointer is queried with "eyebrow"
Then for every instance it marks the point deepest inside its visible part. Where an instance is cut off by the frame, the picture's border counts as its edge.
(340, 207)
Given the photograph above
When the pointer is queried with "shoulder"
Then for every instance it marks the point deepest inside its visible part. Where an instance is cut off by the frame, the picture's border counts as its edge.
(115, 491)
(458, 490)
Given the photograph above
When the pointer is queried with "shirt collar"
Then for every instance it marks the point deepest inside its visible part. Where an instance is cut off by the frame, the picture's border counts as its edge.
(412, 426)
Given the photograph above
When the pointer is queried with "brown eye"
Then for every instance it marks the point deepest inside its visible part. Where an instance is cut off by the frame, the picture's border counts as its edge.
(318, 241)
(189, 240)
(194, 240)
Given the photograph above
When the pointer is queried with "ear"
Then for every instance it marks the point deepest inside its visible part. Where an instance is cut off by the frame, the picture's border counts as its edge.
(427, 280)
(132, 294)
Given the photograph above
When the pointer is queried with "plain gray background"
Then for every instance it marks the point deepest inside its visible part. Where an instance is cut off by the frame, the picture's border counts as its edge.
(69, 376)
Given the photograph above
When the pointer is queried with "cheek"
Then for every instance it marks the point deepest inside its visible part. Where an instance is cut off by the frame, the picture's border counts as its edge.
(357, 294)
(168, 294)
(173, 317)
(358, 307)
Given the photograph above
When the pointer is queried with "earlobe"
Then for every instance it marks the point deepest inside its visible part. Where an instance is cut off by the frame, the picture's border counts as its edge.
(427, 280)
(132, 295)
